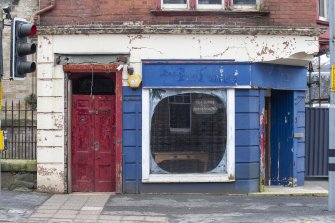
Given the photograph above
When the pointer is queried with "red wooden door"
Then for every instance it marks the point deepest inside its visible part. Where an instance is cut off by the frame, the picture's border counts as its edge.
(93, 143)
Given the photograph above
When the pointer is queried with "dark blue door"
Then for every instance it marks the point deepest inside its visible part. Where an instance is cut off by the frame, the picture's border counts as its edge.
(281, 137)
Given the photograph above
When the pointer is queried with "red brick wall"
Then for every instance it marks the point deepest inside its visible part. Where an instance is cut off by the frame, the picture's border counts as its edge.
(292, 13)
(300, 13)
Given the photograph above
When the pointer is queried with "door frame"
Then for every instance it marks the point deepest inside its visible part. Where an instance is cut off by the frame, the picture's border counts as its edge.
(111, 69)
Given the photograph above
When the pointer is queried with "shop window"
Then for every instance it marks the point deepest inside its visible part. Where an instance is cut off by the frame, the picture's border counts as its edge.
(189, 131)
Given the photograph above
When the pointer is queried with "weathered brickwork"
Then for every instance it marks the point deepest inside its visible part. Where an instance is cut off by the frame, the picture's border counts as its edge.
(16, 90)
(271, 13)
(292, 13)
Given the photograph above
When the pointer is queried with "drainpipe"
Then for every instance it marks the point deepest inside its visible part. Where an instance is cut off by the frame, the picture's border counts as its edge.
(44, 10)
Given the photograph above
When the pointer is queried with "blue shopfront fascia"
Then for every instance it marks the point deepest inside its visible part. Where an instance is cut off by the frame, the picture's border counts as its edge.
(222, 74)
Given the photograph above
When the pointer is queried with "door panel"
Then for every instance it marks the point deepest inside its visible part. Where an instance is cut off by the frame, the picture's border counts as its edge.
(82, 152)
(93, 143)
(281, 137)
(105, 150)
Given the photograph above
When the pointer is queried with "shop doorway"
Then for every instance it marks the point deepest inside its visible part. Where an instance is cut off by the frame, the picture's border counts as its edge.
(279, 138)
(93, 153)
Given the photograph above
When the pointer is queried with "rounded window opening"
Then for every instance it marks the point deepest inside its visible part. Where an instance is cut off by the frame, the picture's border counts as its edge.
(188, 133)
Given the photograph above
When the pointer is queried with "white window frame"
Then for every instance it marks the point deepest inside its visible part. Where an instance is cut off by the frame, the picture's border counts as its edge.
(211, 6)
(246, 7)
(192, 177)
(323, 18)
(175, 6)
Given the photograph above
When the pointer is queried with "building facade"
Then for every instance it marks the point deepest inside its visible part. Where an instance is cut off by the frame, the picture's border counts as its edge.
(220, 107)
(16, 90)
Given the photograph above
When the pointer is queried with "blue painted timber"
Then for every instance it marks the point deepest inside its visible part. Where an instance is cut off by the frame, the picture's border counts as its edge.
(282, 152)
(188, 74)
(131, 137)
(221, 74)
(168, 74)
(279, 77)
(247, 137)
(299, 141)
(247, 150)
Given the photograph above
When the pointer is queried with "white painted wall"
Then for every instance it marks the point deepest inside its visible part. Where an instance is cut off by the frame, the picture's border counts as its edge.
(50, 120)
(50, 83)
(294, 50)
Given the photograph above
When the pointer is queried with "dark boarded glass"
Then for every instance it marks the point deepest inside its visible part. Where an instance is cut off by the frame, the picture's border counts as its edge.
(180, 112)
(99, 85)
(210, 2)
(199, 144)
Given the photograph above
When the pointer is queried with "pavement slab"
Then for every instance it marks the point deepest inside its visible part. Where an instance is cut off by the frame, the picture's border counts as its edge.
(163, 208)
(75, 207)
(184, 208)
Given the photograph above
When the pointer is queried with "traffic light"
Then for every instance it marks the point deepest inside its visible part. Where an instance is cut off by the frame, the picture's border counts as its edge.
(20, 48)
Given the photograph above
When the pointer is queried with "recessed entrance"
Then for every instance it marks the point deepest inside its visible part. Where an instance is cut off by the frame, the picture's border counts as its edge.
(279, 141)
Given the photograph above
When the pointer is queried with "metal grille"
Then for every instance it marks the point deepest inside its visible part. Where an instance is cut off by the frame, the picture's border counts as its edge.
(318, 81)
(19, 120)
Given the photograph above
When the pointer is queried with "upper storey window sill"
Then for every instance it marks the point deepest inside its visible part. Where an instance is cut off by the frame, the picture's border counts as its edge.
(224, 5)
(322, 22)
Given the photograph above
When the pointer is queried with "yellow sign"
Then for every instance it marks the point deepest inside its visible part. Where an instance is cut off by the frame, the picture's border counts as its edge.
(134, 80)
(332, 87)
(0, 94)
(2, 141)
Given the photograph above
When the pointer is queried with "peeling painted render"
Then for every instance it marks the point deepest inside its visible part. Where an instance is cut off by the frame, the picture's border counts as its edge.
(137, 43)
(177, 29)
